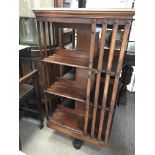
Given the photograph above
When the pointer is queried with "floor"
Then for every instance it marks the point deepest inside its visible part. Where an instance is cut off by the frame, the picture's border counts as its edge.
(49, 142)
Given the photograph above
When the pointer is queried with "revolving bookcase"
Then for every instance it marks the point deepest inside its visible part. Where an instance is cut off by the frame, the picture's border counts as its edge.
(81, 80)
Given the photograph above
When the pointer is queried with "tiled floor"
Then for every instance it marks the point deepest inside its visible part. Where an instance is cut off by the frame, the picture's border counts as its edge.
(49, 142)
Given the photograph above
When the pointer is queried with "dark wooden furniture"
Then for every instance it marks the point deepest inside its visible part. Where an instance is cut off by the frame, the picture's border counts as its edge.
(29, 87)
(81, 102)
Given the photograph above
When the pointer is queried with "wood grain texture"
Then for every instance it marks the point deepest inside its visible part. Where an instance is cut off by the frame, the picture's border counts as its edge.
(84, 13)
(61, 60)
(89, 121)
(116, 82)
(90, 68)
(70, 121)
(102, 44)
(69, 89)
(106, 86)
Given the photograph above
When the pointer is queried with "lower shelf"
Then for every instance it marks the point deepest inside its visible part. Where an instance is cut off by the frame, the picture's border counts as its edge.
(78, 135)
(67, 120)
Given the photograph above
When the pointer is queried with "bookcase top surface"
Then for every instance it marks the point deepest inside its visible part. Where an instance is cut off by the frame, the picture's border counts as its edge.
(84, 11)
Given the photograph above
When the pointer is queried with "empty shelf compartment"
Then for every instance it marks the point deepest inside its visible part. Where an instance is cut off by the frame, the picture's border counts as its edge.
(67, 120)
(70, 89)
(66, 57)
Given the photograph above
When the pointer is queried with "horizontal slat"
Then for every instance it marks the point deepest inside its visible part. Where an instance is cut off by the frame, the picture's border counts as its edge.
(60, 19)
(28, 76)
(84, 13)
(72, 25)
(28, 109)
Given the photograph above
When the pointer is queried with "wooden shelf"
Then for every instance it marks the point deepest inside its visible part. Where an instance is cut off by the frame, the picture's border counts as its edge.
(73, 58)
(69, 89)
(67, 120)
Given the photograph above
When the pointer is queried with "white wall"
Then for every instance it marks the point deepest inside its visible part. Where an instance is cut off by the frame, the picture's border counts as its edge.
(26, 6)
(109, 3)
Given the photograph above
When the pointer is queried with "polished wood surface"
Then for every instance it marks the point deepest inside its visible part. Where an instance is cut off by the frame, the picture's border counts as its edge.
(69, 120)
(69, 89)
(80, 12)
(93, 78)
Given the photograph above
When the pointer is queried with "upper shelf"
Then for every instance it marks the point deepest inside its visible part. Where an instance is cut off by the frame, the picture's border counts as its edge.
(71, 58)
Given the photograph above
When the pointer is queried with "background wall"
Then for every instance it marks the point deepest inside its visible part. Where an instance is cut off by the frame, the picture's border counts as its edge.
(26, 6)
(109, 3)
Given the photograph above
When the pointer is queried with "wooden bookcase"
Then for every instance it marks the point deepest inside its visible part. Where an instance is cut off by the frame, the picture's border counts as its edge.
(80, 102)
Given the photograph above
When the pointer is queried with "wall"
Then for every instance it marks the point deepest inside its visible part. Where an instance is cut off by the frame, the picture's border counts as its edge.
(26, 6)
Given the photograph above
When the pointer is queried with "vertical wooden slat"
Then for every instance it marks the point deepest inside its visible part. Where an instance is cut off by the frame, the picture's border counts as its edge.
(46, 77)
(44, 36)
(49, 36)
(60, 33)
(60, 39)
(39, 39)
(50, 49)
(116, 82)
(73, 39)
(100, 62)
(46, 67)
(107, 80)
(90, 68)
(54, 36)
(54, 43)
(58, 3)
(38, 96)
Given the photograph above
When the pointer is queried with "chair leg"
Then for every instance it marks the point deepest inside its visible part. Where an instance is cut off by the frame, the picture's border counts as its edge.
(41, 124)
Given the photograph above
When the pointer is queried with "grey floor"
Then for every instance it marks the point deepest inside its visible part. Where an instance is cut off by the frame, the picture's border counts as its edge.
(49, 142)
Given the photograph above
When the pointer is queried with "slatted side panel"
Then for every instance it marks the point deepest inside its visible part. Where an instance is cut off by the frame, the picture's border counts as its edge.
(116, 82)
(45, 31)
(107, 80)
(90, 68)
(98, 78)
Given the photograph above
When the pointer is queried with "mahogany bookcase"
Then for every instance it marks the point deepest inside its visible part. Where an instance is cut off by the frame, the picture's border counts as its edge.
(80, 102)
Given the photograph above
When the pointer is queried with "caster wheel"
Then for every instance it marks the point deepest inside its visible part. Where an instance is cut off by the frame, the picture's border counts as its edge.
(41, 125)
(77, 144)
